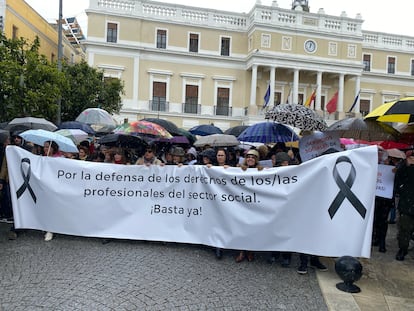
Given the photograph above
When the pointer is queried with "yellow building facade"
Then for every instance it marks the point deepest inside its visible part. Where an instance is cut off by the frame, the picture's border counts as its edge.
(195, 66)
(20, 20)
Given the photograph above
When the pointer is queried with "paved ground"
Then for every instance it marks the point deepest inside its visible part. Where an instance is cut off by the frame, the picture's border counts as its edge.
(74, 273)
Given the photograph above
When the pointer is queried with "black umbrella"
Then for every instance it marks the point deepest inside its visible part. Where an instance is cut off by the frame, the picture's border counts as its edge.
(27, 123)
(168, 125)
(4, 134)
(125, 141)
(236, 130)
(205, 129)
(77, 125)
(368, 130)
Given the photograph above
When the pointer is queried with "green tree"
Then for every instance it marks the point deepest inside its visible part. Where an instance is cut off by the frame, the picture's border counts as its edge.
(87, 88)
(29, 84)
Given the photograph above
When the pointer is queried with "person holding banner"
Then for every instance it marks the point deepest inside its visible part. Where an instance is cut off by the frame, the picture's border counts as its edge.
(382, 209)
(149, 157)
(51, 149)
(251, 160)
(222, 160)
(404, 185)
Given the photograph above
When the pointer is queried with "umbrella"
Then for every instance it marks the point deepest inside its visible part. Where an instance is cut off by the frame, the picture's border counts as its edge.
(406, 133)
(142, 128)
(396, 153)
(122, 140)
(368, 130)
(39, 137)
(268, 132)
(168, 125)
(298, 116)
(26, 123)
(75, 135)
(77, 125)
(217, 140)
(236, 130)
(205, 129)
(4, 134)
(98, 118)
(187, 134)
(174, 140)
(401, 110)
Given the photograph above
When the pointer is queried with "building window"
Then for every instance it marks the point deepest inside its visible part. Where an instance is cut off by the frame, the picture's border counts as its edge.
(225, 46)
(412, 67)
(112, 32)
(364, 106)
(161, 39)
(193, 43)
(159, 96)
(266, 40)
(15, 32)
(191, 99)
(223, 101)
(52, 57)
(367, 62)
(391, 65)
(277, 99)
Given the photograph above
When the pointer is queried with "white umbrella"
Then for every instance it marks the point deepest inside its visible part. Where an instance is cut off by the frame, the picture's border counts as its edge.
(217, 140)
(76, 135)
(39, 137)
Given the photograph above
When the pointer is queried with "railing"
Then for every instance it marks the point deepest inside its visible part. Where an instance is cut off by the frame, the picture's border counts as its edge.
(222, 111)
(272, 16)
(158, 105)
(191, 108)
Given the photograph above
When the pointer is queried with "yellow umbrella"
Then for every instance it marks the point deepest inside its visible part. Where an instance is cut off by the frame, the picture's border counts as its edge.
(401, 110)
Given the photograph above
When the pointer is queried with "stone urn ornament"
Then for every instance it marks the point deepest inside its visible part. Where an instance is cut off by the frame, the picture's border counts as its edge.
(349, 269)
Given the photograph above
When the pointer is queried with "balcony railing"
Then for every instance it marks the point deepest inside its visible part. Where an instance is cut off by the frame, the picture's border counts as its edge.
(222, 111)
(158, 105)
(191, 108)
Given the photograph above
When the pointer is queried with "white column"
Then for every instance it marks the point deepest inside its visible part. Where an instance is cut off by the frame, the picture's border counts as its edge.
(253, 86)
(341, 93)
(318, 91)
(272, 86)
(295, 87)
(357, 91)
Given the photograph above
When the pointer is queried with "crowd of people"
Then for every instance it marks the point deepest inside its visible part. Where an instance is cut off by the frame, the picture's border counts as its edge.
(252, 157)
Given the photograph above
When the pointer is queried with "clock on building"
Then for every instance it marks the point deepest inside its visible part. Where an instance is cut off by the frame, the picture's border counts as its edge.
(310, 46)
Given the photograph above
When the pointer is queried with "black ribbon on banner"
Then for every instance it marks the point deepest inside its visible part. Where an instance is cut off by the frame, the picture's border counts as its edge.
(345, 190)
(26, 178)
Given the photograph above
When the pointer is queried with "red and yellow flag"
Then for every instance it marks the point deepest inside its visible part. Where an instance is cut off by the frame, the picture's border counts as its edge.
(310, 99)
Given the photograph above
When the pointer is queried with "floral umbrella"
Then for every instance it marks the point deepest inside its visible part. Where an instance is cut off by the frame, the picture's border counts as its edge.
(142, 128)
(298, 116)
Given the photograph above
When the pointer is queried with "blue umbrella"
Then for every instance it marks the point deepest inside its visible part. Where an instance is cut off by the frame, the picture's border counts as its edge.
(268, 132)
(205, 129)
(39, 137)
(77, 125)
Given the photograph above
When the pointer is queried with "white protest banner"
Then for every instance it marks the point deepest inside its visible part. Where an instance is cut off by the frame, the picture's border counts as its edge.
(385, 181)
(323, 206)
(313, 145)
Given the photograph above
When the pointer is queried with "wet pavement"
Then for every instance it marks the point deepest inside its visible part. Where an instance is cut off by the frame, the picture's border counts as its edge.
(77, 273)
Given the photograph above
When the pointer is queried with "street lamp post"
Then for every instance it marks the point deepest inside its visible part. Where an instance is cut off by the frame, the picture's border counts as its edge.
(59, 61)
